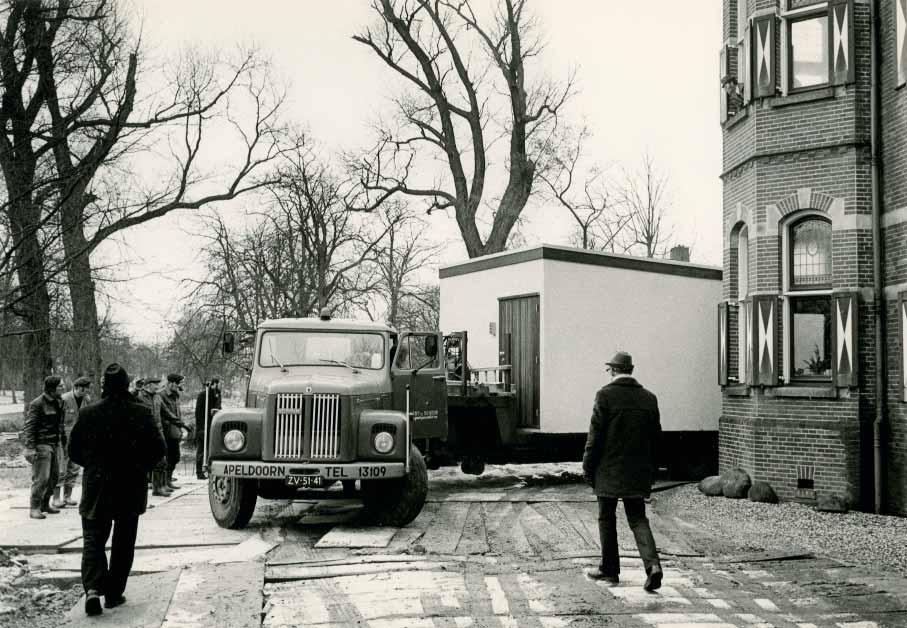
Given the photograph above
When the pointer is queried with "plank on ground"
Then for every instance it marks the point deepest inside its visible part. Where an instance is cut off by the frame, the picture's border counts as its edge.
(222, 596)
(148, 598)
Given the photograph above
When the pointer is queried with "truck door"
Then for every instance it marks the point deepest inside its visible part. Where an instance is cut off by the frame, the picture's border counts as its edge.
(519, 348)
(428, 389)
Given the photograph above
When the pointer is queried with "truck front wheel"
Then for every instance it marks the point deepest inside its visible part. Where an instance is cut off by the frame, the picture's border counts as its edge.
(398, 501)
(232, 501)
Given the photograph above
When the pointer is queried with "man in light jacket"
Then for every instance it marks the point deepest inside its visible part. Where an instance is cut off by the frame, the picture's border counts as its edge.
(69, 470)
(619, 462)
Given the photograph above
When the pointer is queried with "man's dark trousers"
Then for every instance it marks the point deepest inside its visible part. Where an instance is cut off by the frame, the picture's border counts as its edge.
(44, 475)
(110, 582)
(173, 455)
(635, 508)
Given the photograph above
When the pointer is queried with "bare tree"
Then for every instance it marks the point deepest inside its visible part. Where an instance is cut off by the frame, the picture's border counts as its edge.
(644, 196)
(583, 192)
(308, 251)
(468, 87)
(71, 77)
(400, 257)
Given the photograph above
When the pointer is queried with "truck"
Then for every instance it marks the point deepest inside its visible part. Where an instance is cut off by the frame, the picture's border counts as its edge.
(362, 407)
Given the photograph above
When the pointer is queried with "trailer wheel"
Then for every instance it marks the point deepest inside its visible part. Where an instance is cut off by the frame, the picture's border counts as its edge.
(398, 501)
(232, 501)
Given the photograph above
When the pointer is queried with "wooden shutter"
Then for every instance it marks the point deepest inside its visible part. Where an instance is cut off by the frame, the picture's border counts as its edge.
(900, 53)
(723, 343)
(845, 316)
(744, 67)
(763, 54)
(748, 331)
(765, 340)
(723, 71)
(902, 324)
(840, 41)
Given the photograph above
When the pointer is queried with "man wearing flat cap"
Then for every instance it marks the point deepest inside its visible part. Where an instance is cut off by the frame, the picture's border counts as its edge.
(172, 420)
(69, 470)
(116, 443)
(619, 462)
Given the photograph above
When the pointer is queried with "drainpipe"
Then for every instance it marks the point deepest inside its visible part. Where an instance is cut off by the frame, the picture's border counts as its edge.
(877, 288)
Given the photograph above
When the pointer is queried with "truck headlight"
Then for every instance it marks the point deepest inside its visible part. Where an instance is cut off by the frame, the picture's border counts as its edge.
(234, 440)
(384, 442)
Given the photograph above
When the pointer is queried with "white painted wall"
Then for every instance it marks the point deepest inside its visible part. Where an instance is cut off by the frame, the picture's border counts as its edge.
(666, 322)
(470, 302)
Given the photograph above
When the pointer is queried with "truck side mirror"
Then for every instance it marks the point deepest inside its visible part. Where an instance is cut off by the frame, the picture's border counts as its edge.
(431, 346)
(229, 342)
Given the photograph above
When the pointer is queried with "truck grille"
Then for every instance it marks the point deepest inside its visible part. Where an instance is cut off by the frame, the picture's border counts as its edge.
(325, 427)
(290, 426)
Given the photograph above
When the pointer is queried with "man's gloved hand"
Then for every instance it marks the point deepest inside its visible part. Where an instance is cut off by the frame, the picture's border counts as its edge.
(29, 455)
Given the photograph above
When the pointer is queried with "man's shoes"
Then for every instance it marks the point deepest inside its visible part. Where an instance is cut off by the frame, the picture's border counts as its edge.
(597, 574)
(49, 509)
(93, 604)
(113, 602)
(653, 580)
(173, 487)
(161, 492)
(201, 476)
(35, 513)
(67, 498)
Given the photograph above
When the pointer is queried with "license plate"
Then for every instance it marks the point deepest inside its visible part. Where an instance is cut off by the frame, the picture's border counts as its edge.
(305, 481)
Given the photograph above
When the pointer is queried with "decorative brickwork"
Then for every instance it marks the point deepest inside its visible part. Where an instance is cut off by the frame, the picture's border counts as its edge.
(788, 156)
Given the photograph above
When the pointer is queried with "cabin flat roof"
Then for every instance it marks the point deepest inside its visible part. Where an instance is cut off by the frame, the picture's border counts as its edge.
(334, 324)
(580, 256)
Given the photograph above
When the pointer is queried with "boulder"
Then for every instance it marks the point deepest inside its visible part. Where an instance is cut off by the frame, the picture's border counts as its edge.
(735, 483)
(831, 502)
(711, 486)
(762, 492)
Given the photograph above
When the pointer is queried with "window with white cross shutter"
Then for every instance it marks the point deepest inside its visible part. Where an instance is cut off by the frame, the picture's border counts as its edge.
(763, 54)
(845, 316)
(840, 14)
(765, 334)
(900, 54)
(723, 344)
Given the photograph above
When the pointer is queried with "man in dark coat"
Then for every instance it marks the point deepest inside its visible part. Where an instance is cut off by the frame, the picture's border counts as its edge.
(619, 463)
(42, 434)
(208, 398)
(116, 443)
(147, 393)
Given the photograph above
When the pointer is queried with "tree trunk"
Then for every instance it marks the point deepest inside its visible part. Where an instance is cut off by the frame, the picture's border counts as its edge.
(35, 307)
(86, 329)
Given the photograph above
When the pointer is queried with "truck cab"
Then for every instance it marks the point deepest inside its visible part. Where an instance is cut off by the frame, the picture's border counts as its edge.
(330, 401)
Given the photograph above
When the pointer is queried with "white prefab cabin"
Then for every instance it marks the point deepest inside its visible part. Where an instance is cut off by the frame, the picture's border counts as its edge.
(556, 314)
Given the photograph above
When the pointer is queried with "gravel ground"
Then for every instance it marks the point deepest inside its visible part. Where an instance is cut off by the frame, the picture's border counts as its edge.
(734, 526)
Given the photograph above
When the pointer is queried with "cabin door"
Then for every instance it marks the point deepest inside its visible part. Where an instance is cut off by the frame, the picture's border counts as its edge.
(518, 343)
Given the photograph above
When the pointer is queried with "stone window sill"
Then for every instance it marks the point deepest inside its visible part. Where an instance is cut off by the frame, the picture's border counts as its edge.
(734, 120)
(737, 390)
(812, 95)
(803, 392)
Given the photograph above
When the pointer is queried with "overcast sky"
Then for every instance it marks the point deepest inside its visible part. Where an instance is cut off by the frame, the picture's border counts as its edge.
(647, 75)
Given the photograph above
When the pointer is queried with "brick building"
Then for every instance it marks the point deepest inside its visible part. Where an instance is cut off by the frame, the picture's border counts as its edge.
(808, 93)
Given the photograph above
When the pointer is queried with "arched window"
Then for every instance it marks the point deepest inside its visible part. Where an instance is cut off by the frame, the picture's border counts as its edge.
(743, 338)
(808, 292)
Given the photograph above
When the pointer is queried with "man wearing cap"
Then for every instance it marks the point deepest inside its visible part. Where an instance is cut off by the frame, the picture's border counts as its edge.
(619, 463)
(42, 435)
(116, 443)
(209, 399)
(148, 394)
(69, 470)
(171, 417)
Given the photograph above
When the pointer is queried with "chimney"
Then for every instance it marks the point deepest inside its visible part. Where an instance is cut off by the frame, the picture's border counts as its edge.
(679, 253)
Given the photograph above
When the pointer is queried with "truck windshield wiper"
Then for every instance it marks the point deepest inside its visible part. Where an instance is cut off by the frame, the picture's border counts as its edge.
(274, 357)
(341, 363)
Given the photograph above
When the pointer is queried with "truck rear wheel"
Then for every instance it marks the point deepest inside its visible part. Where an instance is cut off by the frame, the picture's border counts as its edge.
(398, 501)
(232, 501)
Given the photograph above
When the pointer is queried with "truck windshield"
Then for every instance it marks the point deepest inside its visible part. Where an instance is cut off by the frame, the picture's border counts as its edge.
(318, 348)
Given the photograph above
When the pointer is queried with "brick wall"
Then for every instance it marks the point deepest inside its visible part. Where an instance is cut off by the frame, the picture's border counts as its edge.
(772, 151)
